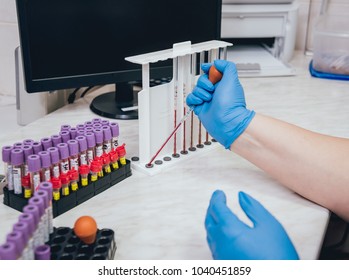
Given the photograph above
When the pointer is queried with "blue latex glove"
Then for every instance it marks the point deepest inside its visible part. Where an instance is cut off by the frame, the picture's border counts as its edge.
(230, 238)
(221, 107)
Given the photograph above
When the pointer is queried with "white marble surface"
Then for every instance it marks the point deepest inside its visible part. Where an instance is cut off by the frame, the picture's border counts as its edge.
(162, 216)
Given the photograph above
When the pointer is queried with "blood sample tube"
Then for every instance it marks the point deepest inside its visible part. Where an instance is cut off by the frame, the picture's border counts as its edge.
(74, 154)
(26, 221)
(46, 143)
(64, 156)
(47, 210)
(17, 161)
(24, 228)
(37, 147)
(99, 142)
(96, 120)
(56, 139)
(55, 161)
(8, 251)
(48, 188)
(114, 157)
(42, 204)
(94, 169)
(65, 127)
(74, 178)
(27, 150)
(122, 153)
(26, 186)
(34, 167)
(83, 149)
(91, 143)
(6, 158)
(38, 237)
(56, 188)
(97, 125)
(106, 139)
(45, 158)
(28, 142)
(80, 132)
(105, 159)
(105, 122)
(42, 252)
(65, 136)
(80, 126)
(84, 170)
(114, 127)
(88, 124)
(65, 184)
(17, 145)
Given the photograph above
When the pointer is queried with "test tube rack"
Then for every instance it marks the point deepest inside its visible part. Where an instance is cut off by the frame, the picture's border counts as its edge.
(66, 203)
(65, 245)
(162, 107)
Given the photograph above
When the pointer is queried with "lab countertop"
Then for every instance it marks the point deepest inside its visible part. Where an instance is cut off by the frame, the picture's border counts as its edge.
(162, 216)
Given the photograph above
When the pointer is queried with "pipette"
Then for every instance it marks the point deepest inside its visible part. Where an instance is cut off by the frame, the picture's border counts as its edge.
(214, 76)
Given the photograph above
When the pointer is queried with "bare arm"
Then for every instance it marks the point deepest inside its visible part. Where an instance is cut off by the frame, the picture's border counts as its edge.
(313, 165)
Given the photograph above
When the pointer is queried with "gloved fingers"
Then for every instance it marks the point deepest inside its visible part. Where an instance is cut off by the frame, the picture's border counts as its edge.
(193, 100)
(226, 67)
(206, 67)
(220, 212)
(204, 83)
(254, 210)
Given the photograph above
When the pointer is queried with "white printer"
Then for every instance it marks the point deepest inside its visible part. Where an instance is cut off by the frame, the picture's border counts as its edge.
(263, 33)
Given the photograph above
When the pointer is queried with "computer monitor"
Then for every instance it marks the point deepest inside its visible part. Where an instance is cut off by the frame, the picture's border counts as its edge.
(69, 44)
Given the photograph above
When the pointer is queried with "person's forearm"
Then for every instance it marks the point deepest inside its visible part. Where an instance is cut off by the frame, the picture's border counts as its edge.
(315, 166)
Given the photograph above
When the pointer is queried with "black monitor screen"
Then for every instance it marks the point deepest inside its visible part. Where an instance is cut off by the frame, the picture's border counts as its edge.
(75, 43)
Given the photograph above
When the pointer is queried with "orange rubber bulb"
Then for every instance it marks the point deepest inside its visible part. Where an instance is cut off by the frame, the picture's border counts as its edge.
(85, 228)
(214, 75)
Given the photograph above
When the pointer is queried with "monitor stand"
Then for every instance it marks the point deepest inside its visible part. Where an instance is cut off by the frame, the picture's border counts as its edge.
(121, 104)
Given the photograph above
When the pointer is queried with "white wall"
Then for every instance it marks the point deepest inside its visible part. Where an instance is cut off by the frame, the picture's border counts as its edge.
(9, 35)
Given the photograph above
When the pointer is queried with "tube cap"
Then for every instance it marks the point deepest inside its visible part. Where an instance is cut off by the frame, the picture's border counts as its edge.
(65, 127)
(46, 187)
(18, 239)
(34, 211)
(34, 163)
(63, 150)
(56, 139)
(45, 159)
(91, 140)
(46, 143)
(8, 251)
(28, 142)
(121, 150)
(6, 153)
(37, 147)
(17, 156)
(43, 252)
(24, 228)
(114, 129)
(65, 135)
(82, 142)
(98, 135)
(54, 153)
(39, 202)
(106, 132)
(44, 195)
(73, 147)
(27, 150)
(73, 131)
(96, 120)
(29, 219)
(80, 126)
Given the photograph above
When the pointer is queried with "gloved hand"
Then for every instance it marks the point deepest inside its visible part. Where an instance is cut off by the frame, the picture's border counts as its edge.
(221, 107)
(230, 238)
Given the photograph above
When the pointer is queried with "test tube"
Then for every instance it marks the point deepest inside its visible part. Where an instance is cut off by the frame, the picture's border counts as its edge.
(27, 253)
(80, 126)
(105, 159)
(96, 120)
(94, 169)
(42, 202)
(84, 170)
(6, 158)
(114, 157)
(46, 143)
(65, 127)
(56, 188)
(106, 139)
(65, 184)
(28, 142)
(91, 143)
(114, 127)
(73, 132)
(88, 124)
(17, 161)
(65, 136)
(26, 186)
(74, 178)
(37, 147)
(28, 220)
(121, 152)
(34, 167)
(105, 122)
(48, 188)
(38, 237)
(64, 156)
(17, 145)
(43, 252)
(27, 150)
(74, 154)
(99, 142)
(45, 158)
(55, 161)
(83, 149)
(97, 125)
